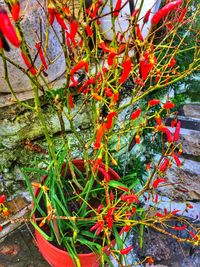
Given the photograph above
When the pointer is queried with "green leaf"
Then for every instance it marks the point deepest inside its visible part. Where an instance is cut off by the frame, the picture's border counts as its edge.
(119, 242)
(116, 184)
(48, 238)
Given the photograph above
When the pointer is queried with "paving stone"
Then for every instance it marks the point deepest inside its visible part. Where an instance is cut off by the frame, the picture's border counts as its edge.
(18, 250)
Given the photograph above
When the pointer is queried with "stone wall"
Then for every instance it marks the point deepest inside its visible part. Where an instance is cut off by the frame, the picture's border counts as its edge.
(33, 13)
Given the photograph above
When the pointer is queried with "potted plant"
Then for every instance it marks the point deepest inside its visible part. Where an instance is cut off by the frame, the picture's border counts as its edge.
(82, 205)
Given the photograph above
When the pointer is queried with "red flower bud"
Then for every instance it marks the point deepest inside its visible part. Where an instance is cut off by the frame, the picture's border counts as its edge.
(41, 54)
(89, 30)
(7, 28)
(15, 10)
(125, 251)
(164, 165)
(137, 139)
(168, 105)
(2, 199)
(105, 174)
(177, 131)
(136, 114)
(146, 16)
(110, 117)
(51, 11)
(100, 132)
(71, 102)
(117, 8)
(165, 130)
(126, 70)
(157, 182)
(180, 228)
(29, 65)
(154, 102)
(160, 14)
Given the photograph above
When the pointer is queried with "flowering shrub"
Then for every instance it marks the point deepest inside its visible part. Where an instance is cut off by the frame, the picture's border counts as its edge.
(86, 205)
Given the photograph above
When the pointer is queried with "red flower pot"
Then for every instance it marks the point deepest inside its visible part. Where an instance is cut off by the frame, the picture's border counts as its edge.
(59, 258)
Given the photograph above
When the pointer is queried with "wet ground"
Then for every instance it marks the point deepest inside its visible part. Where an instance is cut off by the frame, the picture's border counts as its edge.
(18, 249)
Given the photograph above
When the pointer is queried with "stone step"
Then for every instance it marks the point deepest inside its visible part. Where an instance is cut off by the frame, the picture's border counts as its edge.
(190, 140)
(185, 181)
(192, 110)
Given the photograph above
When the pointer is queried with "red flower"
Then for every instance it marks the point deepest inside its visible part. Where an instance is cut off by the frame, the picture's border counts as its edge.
(125, 251)
(136, 114)
(126, 70)
(117, 8)
(41, 54)
(154, 102)
(177, 131)
(51, 11)
(90, 81)
(158, 214)
(174, 212)
(7, 28)
(165, 130)
(110, 117)
(172, 63)
(89, 30)
(15, 10)
(177, 160)
(129, 198)
(157, 182)
(180, 228)
(137, 139)
(29, 65)
(115, 97)
(150, 260)
(2, 199)
(111, 57)
(71, 102)
(194, 235)
(164, 165)
(160, 14)
(148, 166)
(145, 67)
(173, 123)
(103, 46)
(61, 21)
(100, 207)
(182, 16)
(158, 119)
(98, 226)
(73, 28)
(105, 174)
(146, 16)
(100, 132)
(108, 92)
(1, 228)
(125, 229)
(135, 12)
(139, 33)
(80, 65)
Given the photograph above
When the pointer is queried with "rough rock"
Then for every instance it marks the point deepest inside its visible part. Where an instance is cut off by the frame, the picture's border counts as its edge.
(186, 181)
(190, 140)
(192, 110)
(31, 24)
